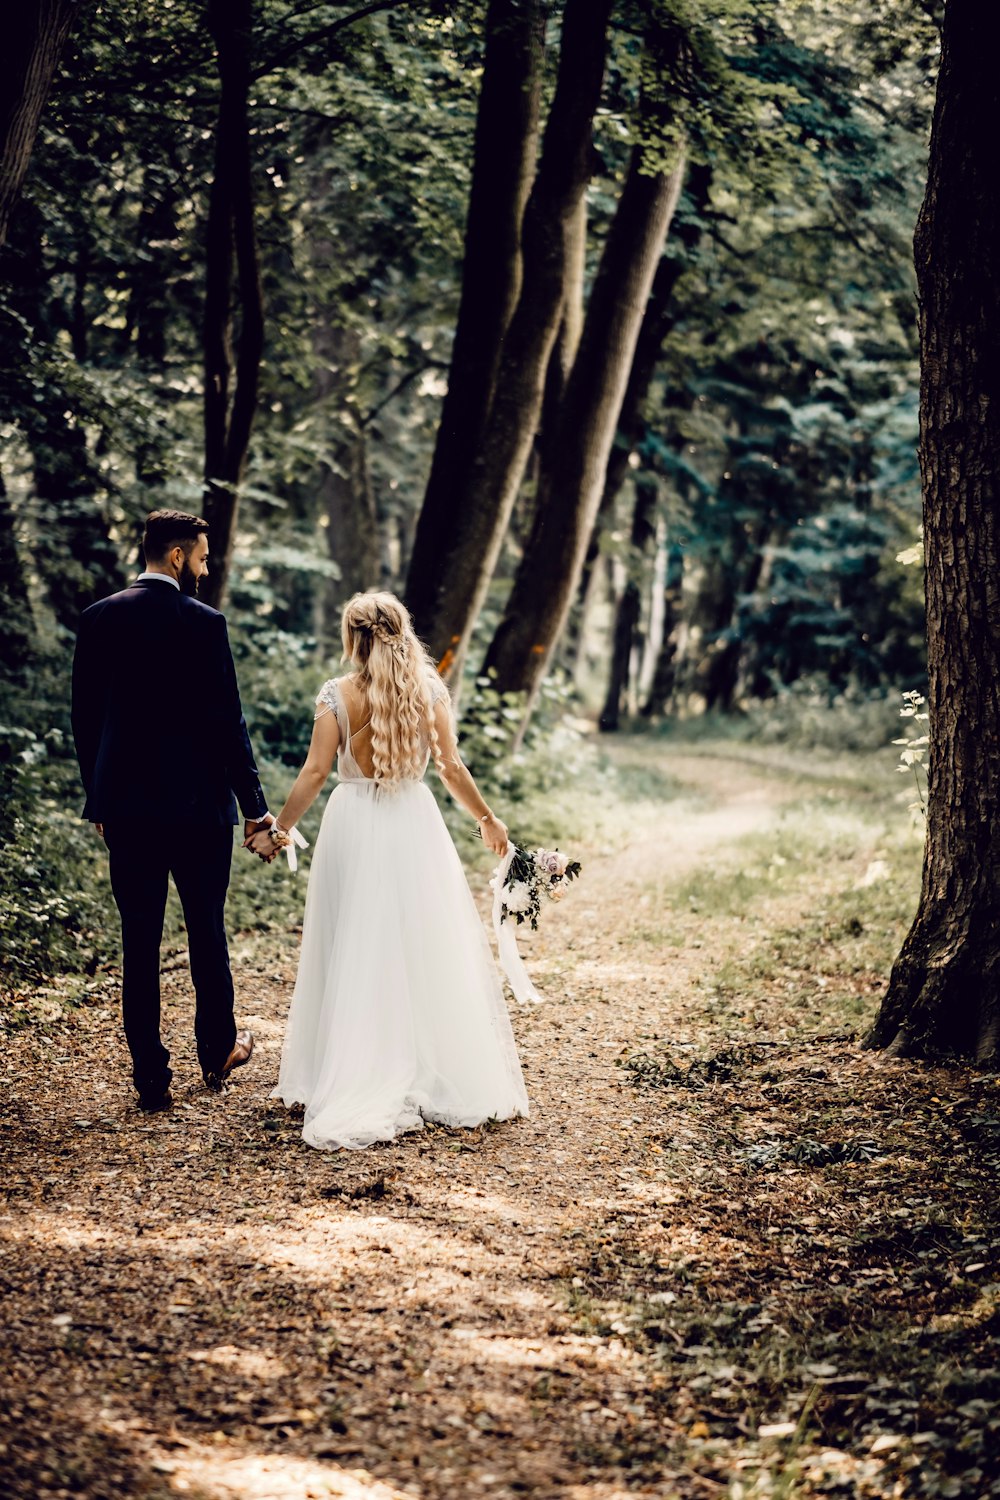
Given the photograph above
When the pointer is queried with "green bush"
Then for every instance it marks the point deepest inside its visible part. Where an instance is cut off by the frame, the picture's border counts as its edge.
(57, 914)
(279, 675)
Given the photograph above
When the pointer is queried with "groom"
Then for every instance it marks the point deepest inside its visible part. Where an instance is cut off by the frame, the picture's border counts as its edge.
(163, 747)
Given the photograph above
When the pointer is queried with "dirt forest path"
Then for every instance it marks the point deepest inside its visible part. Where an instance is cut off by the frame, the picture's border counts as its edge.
(198, 1304)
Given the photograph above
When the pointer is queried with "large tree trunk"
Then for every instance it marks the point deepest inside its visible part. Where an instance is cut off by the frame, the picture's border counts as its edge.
(480, 510)
(231, 245)
(503, 167)
(944, 992)
(550, 568)
(33, 37)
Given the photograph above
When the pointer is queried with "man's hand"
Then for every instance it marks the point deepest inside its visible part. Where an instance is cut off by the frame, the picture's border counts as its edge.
(262, 844)
(253, 825)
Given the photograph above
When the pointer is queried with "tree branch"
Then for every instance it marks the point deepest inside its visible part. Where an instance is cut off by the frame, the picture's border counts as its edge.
(401, 384)
(321, 34)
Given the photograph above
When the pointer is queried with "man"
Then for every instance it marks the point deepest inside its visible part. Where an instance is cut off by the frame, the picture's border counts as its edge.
(163, 747)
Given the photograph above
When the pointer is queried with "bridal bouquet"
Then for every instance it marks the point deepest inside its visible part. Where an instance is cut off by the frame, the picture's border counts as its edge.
(530, 875)
(522, 878)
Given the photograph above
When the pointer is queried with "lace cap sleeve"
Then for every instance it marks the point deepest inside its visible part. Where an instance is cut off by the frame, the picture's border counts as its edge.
(327, 699)
(439, 688)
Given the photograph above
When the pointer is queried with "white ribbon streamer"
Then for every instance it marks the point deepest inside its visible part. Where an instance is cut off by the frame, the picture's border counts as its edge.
(293, 858)
(510, 960)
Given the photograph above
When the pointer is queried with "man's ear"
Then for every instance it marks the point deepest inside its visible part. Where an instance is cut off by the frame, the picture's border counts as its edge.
(175, 557)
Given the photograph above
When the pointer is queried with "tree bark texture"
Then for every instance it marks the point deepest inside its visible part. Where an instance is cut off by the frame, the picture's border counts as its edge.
(944, 991)
(231, 268)
(33, 37)
(550, 568)
(503, 166)
(481, 508)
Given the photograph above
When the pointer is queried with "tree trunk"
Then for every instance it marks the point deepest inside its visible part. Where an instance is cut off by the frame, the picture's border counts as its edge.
(944, 992)
(657, 322)
(231, 245)
(33, 37)
(550, 569)
(665, 672)
(503, 166)
(629, 607)
(480, 510)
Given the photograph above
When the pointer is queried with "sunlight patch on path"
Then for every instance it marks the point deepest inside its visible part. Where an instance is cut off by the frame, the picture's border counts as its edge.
(266, 1476)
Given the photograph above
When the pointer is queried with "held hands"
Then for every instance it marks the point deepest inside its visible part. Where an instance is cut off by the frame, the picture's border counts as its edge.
(253, 825)
(257, 839)
(263, 845)
(266, 840)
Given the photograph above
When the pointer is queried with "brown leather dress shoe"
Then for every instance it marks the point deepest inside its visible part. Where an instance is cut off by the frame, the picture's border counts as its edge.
(241, 1053)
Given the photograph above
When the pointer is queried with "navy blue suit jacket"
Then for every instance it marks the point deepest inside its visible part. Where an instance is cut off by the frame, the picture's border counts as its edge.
(157, 720)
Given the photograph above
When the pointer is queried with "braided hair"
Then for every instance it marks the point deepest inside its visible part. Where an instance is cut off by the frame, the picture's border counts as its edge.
(395, 672)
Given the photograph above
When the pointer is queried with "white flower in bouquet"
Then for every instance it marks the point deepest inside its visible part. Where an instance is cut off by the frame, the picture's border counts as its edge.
(517, 897)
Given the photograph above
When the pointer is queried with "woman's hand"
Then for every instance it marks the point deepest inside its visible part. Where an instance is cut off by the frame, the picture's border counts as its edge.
(494, 834)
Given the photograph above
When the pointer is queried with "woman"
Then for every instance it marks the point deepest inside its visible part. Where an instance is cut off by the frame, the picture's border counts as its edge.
(398, 1016)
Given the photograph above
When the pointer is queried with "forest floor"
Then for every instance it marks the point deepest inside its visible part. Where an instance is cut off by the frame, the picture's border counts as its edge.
(729, 1254)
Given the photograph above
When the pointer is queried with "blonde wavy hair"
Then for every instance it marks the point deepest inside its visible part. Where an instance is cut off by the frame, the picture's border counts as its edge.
(394, 671)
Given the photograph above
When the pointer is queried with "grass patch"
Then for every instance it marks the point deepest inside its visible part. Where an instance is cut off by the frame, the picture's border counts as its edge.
(799, 925)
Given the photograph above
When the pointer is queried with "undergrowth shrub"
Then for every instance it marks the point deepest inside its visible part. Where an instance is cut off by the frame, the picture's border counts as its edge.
(56, 910)
(809, 715)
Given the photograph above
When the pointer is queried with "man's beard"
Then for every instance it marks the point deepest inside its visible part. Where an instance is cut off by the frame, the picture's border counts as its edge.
(188, 580)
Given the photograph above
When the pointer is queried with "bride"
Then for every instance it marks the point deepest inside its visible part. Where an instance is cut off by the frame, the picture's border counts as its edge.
(397, 1016)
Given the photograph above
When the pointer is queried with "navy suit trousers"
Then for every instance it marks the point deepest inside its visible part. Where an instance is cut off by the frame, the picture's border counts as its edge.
(141, 864)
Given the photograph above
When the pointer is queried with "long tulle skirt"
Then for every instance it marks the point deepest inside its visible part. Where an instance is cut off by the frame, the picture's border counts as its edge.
(398, 1016)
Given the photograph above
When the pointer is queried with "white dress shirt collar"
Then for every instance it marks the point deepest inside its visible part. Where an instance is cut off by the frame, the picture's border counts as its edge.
(163, 577)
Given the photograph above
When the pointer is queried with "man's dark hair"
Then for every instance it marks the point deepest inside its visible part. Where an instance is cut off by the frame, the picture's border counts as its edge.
(166, 529)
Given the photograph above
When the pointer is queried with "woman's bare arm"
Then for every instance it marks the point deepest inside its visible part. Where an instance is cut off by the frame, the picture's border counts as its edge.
(309, 782)
(458, 779)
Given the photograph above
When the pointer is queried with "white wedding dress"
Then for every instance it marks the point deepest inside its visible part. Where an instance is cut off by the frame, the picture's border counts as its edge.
(398, 1016)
